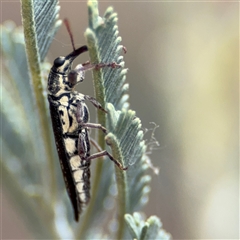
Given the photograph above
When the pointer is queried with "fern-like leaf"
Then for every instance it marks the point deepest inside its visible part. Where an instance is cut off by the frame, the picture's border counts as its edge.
(145, 230)
(28, 155)
(125, 135)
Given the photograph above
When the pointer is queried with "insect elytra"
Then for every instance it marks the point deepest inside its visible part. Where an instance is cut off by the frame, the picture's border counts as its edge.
(70, 123)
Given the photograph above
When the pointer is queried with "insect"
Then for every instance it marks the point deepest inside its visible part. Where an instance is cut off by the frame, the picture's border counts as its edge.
(70, 122)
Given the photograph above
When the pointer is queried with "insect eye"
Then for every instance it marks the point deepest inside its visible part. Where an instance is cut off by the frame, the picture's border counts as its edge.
(58, 62)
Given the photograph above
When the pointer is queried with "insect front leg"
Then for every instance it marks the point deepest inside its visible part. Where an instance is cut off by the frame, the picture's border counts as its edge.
(78, 74)
(89, 66)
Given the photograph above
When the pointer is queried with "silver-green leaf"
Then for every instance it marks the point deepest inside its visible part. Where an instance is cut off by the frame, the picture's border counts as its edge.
(145, 230)
(125, 135)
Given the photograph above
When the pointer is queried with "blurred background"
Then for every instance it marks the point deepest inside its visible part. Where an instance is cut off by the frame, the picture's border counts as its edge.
(183, 61)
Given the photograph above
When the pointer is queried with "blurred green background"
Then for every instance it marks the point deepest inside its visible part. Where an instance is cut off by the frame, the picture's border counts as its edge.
(183, 60)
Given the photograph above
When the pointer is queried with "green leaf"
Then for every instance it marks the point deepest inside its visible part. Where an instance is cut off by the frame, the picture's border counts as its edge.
(104, 46)
(28, 156)
(46, 25)
(132, 224)
(125, 135)
(40, 20)
(35, 16)
(145, 230)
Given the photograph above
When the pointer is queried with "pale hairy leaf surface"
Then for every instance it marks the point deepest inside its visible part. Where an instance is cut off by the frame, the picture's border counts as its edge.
(126, 140)
(102, 36)
(24, 159)
(21, 162)
(144, 230)
(47, 23)
(127, 129)
(17, 103)
(125, 135)
(35, 15)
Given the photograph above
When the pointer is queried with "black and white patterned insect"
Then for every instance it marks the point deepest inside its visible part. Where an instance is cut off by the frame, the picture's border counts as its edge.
(70, 122)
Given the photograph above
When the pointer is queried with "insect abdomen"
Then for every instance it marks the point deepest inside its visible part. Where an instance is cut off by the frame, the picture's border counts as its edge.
(80, 167)
(68, 178)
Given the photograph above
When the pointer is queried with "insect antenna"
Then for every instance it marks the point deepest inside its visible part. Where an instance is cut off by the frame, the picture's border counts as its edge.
(67, 24)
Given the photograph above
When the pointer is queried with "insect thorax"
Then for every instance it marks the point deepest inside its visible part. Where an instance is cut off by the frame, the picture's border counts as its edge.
(58, 84)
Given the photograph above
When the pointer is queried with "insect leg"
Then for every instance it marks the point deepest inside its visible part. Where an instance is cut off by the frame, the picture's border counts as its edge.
(89, 66)
(94, 102)
(95, 125)
(106, 153)
(100, 154)
(77, 75)
(95, 144)
(83, 145)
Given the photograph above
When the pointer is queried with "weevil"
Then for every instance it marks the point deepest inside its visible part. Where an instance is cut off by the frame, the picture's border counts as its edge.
(70, 123)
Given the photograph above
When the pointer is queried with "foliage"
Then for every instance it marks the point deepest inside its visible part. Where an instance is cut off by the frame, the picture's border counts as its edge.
(31, 172)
